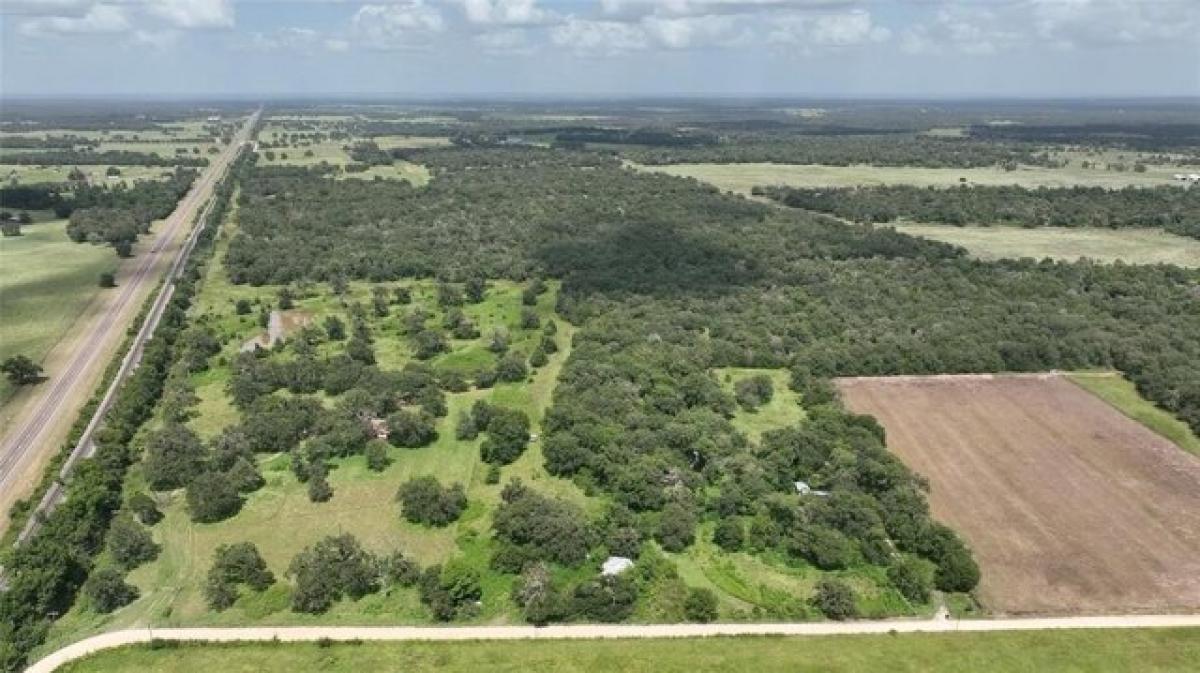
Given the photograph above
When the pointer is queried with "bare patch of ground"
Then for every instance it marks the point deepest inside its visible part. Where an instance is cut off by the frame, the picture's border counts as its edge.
(1070, 506)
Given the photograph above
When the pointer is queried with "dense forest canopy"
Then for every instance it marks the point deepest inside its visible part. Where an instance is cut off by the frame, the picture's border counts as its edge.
(1173, 208)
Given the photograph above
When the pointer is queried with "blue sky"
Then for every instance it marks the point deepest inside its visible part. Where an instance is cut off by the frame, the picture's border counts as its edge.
(1037, 48)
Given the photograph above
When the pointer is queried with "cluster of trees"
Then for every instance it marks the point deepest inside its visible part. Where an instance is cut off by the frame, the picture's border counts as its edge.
(847, 150)
(118, 215)
(651, 137)
(68, 157)
(424, 500)
(46, 573)
(235, 565)
(1146, 137)
(1172, 208)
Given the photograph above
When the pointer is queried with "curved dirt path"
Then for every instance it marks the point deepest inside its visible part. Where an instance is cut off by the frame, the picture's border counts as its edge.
(115, 639)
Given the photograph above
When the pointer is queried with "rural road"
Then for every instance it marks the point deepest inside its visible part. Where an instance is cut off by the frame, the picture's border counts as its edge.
(114, 639)
(37, 430)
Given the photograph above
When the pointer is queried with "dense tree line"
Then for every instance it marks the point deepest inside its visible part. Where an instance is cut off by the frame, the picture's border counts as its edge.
(45, 574)
(107, 157)
(1145, 137)
(847, 150)
(1172, 208)
(117, 216)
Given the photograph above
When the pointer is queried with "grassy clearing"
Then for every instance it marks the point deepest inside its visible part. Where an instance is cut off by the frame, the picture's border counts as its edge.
(396, 142)
(46, 280)
(31, 174)
(1134, 246)
(1121, 393)
(741, 178)
(783, 410)
(1161, 650)
(162, 149)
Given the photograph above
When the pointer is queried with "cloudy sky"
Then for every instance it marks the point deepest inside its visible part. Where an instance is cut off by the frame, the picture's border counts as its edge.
(602, 47)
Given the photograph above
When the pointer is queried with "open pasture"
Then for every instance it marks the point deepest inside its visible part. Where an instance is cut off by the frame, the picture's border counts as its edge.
(1134, 246)
(1069, 505)
(740, 178)
(1161, 650)
(97, 175)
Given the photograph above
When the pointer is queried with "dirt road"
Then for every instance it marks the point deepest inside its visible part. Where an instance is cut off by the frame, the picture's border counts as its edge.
(584, 631)
(76, 364)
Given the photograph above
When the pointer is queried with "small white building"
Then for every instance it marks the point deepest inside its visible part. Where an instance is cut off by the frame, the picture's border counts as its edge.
(803, 488)
(615, 565)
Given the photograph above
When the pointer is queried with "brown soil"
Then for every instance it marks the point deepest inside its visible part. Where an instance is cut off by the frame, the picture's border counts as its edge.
(1070, 506)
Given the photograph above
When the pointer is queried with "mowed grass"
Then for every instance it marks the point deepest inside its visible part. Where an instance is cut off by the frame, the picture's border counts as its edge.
(782, 411)
(46, 280)
(332, 153)
(1122, 394)
(397, 142)
(97, 175)
(1076, 651)
(741, 178)
(1134, 246)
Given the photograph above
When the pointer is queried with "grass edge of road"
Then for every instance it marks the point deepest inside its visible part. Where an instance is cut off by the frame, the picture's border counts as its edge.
(1084, 650)
(1121, 394)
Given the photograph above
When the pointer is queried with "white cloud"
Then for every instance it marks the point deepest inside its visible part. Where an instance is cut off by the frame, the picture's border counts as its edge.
(337, 45)
(685, 32)
(64, 8)
(403, 25)
(158, 39)
(828, 30)
(193, 13)
(284, 38)
(97, 19)
(607, 36)
(506, 12)
(509, 41)
(969, 30)
(634, 9)
(1099, 23)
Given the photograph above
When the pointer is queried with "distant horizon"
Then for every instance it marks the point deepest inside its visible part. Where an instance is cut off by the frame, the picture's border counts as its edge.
(517, 97)
(858, 49)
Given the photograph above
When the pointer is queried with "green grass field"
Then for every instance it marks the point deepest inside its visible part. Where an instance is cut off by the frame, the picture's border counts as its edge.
(1134, 246)
(395, 142)
(1121, 393)
(741, 178)
(332, 153)
(46, 280)
(32, 174)
(783, 410)
(1157, 650)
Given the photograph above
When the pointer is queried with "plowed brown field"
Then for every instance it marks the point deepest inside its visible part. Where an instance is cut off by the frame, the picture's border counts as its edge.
(1070, 506)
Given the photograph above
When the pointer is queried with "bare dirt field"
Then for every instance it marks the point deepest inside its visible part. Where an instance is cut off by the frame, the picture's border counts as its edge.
(1070, 506)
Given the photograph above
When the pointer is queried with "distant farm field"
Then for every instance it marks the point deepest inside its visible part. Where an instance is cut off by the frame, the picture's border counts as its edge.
(1135, 246)
(1161, 650)
(46, 280)
(1069, 505)
(742, 177)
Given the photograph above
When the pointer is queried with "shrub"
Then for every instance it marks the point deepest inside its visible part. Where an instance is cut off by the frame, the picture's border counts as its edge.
(729, 534)
(507, 436)
(145, 508)
(700, 605)
(330, 569)
(130, 543)
(912, 577)
(425, 501)
(376, 454)
(677, 528)
(108, 279)
(212, 497)
(106, 590)
(411, 429)
(835, 599)
(609, 598)
(754, 391)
